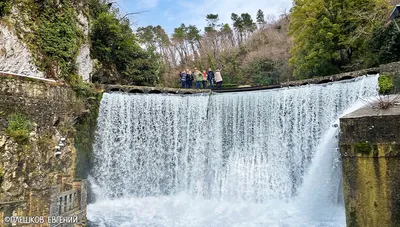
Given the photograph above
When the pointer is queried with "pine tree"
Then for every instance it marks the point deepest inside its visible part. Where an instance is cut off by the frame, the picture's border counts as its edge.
(260, 18)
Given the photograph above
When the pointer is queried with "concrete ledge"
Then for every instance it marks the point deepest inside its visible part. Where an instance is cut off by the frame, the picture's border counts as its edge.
(152, 90)
(371, 125)
(333, 78)
(370, 152)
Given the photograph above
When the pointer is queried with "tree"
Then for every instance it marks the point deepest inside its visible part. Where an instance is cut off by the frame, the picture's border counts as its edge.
(260, 18)
(146, 35)
(384, 45)
(212, 21)
(248, 23)
(193, 36)
(329, 34)
(116, 47)
(238, 26)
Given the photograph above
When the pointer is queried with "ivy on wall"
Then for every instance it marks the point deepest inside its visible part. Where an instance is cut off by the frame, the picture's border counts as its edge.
(49, 29)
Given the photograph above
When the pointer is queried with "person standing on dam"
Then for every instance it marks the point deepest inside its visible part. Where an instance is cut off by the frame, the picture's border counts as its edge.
(210, 78)
(189, 78)
(204, 79)
(198, 76)
(183, 78)
(218, 79)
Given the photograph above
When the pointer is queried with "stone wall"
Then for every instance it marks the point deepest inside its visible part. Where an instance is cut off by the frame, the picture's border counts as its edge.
(51, 109)
(370, 151)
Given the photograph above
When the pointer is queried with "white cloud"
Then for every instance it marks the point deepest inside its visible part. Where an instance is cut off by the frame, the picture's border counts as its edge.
(195, 11)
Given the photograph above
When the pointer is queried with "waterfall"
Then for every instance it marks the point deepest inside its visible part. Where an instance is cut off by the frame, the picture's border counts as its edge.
(235, 159)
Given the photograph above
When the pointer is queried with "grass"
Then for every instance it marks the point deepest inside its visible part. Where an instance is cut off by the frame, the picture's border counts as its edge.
(18, 128)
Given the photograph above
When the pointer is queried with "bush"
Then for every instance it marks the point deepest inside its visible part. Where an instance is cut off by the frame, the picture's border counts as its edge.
(385, 85)
(18, 128)
(114, 44)
(5, 7)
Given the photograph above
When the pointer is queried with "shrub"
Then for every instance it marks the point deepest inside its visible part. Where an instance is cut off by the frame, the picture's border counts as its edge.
(18, 128)
(385, 85)
(5, 7)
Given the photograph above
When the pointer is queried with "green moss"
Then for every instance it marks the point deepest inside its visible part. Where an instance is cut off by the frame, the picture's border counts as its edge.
(385, 85)
(85, 133)
(363, 148)
(18, 128)
(353, 219)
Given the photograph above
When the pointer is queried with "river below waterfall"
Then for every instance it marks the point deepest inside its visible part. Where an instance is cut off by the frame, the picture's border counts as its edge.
(262, 158)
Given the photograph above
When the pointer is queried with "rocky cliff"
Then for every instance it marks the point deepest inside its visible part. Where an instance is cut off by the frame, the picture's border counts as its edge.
(45, 113)
(18, 37)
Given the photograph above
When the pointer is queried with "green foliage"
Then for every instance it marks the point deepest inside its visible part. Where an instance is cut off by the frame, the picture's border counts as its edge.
(97, 7)
(18, 128)
(385, 85)
(115, 46)
(58, 39)
(328, 35)
(212, 21)
(243, 24)
(363, 148)
(260, 17)
(55, 37)
(263, 72)
(5, 7)
(384, 46)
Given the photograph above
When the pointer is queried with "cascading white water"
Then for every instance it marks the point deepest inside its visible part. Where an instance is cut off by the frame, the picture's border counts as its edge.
(236, 159)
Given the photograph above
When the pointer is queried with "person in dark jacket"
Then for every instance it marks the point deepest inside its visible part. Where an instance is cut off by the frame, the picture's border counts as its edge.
(189, 78)
(183, 78)
(210, 78)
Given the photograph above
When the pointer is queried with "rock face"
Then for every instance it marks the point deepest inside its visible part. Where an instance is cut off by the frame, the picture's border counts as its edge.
(370, 150)
(84, 62)
(15, 56)
(33, 165)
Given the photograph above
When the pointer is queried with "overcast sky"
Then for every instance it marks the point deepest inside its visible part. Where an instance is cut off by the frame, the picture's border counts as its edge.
(171, 13)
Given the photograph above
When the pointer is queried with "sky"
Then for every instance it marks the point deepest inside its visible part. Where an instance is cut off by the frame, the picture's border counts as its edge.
(171, 13)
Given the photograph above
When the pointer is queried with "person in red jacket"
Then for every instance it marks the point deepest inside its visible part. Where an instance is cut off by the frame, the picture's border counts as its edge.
(204, 79)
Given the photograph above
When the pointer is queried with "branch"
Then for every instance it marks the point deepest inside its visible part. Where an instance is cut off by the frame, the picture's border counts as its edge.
(135, 13)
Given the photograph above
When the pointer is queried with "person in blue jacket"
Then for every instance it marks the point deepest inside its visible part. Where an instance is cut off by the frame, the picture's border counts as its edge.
(183, 78)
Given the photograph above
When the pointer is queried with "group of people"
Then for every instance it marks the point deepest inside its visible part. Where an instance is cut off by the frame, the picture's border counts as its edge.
(201, 78)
